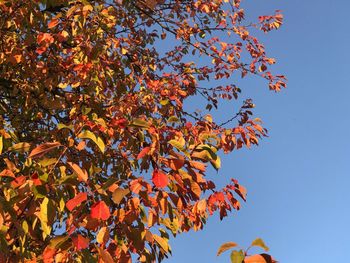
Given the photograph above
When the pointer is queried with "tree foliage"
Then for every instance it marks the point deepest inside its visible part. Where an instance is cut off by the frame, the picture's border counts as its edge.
(241, 256)
(101, 159)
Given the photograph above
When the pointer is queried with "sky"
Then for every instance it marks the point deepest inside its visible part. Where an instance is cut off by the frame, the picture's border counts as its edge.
(297, 179)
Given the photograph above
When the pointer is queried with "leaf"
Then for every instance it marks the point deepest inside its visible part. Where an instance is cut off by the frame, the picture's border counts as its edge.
(159, 179)
(119, 194)
(44, 215)
(143, 152)
(76, 201)
(42, 149)
(162, 242)
(216, 163)
(178, 145)
(262, 258)
(102, 235)
(225, 247)
(81, 173)
(196, 189)
(106, 257)
(21, 147)
(100, 211)
(1, 144)
(58, 241)
(140, 123)
(54, 22)
(97, 140)
(259, 243)
(80, 242)
(237, 256)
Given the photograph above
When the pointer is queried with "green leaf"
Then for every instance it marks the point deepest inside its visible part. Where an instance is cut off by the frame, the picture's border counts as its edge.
(140, 124)
(225, 247)
(237, 256)
(89, 135)
(259, 243)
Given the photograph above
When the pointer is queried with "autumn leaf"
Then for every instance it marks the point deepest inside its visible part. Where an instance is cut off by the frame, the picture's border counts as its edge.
(80, 242)
(97, 140)
(162, 242)
(143, 152)
(54, 22)
(21, 147)
(160, 179)
(42, 149)
(81, 172)
(262, 258)
(100, 211)
(225, 247)
(119, 194)
(260, 243)
(76, 201)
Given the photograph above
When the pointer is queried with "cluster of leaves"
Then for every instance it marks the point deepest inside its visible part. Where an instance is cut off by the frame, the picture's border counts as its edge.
(100, 161)
(241, 256)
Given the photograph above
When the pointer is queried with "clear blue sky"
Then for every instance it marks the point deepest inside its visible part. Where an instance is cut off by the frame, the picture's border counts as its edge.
(298, 179)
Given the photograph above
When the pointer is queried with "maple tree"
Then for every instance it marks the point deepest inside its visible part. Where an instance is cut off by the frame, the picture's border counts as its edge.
(101, 160)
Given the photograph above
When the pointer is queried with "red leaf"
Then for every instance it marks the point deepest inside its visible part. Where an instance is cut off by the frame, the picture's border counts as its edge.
(143, 152)
(80, 242)
(76, 201)
(43, 149)
(159, 179)
(100, 211)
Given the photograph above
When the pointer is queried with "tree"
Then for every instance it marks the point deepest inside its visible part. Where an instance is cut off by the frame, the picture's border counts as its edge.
(101, 159)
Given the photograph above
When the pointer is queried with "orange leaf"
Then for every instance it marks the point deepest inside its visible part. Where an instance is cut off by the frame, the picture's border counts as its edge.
(198, 165)
(100, 211)
(81, 173)
(54, 22)
(143, 152)
(76, 201)
(49, 255)
(159, 179)
(80, 242)
(262, 258)
(196, 189)
(42, 149)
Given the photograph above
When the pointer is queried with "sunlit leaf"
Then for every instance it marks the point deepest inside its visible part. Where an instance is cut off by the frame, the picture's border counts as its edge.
(225, 247)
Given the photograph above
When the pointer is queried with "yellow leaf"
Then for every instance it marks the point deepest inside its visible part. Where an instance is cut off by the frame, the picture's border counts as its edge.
(43, 216)
(119, 194)
(162, 242)
(89, 135)
(1, 144)
(21, 147)
(102, 235)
